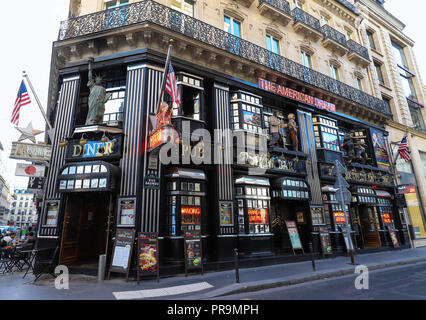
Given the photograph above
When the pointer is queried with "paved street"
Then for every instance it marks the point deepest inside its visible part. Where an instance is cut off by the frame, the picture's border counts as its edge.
(399, 283)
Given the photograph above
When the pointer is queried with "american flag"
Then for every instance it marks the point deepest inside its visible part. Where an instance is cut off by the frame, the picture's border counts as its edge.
(21, 100)
(403, 150)
(171, 86)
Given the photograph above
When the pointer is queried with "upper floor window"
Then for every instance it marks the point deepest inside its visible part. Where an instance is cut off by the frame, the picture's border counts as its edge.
(272, 44)
(184, 6)
(407, 84)
(306, 59)
(115, 3)
(298, 4)
(349, 34)
(416, 116)
(232, 26)
(387, 102)
(370, 36)
(324, 20)
(399, 55)
(334, 70)
(379, 72)
(359, 83)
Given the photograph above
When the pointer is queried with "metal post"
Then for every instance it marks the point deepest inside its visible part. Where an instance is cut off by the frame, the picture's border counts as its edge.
(312, 255)
(237, 272)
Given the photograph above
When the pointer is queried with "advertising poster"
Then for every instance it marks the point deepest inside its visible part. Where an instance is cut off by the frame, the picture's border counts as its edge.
(325, 240)
(226, 216)
(122, 252)
(148, 263)
(394, 239)
(193, 251)
(294, 235)
(251, 118)
(380, 149)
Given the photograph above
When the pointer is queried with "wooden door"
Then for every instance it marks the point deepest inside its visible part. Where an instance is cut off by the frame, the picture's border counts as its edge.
(370, 229)
(71, 231)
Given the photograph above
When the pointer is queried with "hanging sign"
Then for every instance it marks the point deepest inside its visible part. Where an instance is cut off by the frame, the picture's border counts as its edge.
(380, 150)
(193, 251)
(325, 240)
(35, 183)
(30, 152)
(394, 239)
(29, 170)
(122, 252)
(294, 235)
(148, 262)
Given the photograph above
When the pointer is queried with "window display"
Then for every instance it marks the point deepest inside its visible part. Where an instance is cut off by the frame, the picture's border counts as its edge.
(326, 133)
(246, 112)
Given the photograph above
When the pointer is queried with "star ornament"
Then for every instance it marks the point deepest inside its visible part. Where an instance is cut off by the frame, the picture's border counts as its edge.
(28, 133)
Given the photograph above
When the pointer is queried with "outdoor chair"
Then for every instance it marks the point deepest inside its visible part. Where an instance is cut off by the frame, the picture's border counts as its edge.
(45, 265)
(4, 260)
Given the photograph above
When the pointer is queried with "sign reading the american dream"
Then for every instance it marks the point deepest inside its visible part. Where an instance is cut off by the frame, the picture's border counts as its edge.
(296, 95)
(30, 152)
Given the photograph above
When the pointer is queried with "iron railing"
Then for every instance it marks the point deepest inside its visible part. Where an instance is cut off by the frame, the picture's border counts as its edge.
(358, 49)
(153, 12)
(281, 5)
(301, 16)
(334, 35)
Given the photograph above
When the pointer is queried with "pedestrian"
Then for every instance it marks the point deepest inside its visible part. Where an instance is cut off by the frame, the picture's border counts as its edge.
(10, 238)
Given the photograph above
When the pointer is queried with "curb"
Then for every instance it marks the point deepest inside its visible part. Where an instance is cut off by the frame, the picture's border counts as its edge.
(318, 276)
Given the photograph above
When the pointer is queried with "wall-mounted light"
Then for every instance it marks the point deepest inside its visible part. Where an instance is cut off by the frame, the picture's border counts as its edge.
(63, 143)
(83, 140)
(104, 138)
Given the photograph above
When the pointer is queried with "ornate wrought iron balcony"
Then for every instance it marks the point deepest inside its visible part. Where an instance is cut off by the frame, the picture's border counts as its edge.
(278, 8)
(307, 24)
(355, 47)
(334, 40)
(149, 11)
(281, 5)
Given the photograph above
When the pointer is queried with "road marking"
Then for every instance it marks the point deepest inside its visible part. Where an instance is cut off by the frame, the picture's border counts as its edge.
(152, 293)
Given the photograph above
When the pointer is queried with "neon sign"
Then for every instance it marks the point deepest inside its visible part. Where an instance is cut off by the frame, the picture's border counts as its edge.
(339, 218)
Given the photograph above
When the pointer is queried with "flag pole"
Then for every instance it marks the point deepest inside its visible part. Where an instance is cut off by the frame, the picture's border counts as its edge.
(166, 69)
(38, 101)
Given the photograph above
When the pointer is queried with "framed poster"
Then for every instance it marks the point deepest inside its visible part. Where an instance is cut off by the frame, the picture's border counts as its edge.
(148, 261)
(294, 235)
(126, 212)
(122, 252)
(325, 240)
(52, 212)
(193, 251)
(226, 213)
(380, 149)
(393, 237)
(300, 217)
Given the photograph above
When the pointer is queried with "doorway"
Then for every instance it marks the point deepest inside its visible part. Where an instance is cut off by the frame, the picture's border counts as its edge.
(84, 235)
(370, 227)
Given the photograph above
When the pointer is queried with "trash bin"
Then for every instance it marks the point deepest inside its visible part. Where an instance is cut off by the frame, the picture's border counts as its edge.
(101, 267)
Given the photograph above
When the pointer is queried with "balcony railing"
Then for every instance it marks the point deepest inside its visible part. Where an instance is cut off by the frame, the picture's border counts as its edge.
(281, 5)
(301, 16)
(334, 35)
(151, 11)
(358, 49)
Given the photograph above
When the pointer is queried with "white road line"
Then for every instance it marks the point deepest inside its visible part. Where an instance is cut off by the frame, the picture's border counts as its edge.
(152, 293)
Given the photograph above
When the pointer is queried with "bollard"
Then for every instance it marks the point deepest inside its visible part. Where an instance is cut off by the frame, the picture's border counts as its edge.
(351, 255)
(312, 255)
(237, 272)
(101, 267)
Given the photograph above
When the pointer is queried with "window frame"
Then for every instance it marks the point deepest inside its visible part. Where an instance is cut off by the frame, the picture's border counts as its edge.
(117, 4)
(334, 71)
(231, 24)
(371, 40)
(270, 40)
(181, 9)
(380, 75)
(306, 57)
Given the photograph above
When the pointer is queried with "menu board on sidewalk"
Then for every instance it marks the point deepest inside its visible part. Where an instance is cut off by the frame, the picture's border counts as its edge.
(394, 239)
(325, 240)
(294, 235)
(122, 252)
(148, 262)
(193, 251)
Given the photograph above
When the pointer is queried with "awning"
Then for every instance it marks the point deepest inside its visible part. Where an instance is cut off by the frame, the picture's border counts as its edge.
(93, 176)
(364, 195)
(290, 188)
(252, 180)
(184, 173)
(383, 198)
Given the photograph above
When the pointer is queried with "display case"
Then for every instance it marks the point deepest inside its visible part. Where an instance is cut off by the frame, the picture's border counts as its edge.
(327, 139)
(246, 112)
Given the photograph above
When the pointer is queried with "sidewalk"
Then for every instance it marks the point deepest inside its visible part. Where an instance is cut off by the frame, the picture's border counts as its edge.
(207, 286)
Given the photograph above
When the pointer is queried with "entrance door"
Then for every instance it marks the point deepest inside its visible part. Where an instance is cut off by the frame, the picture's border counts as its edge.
(369, 227)
(85, 225)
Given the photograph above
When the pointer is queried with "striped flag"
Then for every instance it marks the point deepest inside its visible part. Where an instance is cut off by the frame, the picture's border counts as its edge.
(403, 150)
(21, 100)
(171, 86)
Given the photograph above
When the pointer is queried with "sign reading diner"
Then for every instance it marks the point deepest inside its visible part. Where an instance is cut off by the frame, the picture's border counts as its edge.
(295, 95)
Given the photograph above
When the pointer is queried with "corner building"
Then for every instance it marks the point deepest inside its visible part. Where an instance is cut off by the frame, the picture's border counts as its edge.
(237, 63)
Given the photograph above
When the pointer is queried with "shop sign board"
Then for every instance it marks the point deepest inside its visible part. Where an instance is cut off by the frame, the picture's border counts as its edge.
(151, 182)
(393, 237)
(122, 252)
(30, 152)
(325, 240)
(193, 251)
(295, 95)
(380, 149)
(35, 183)
(294, 235)
(94, 149)
(29, 170)
(148, 261)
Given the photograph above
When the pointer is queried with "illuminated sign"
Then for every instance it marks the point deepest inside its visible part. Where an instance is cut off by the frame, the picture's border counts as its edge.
(386, 218)
(191, 210)
(296, 95)
(406, 189)
(258, 216)
(156, 139)
(339, 218)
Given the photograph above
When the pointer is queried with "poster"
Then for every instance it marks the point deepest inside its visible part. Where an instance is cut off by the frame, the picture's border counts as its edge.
(325, 240)
(122, 252)
(394, 239)
(252, 118)
(121, 257)
(147, 253)
(294, 235)
(380, 149)
(226, 216)
(193, 252)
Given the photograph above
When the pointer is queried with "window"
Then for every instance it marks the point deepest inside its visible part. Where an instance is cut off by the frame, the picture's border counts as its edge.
(306, 59)
(334, 70)
(348, 34)
(272, 44)
(370, 36)
(407, 84)
(379, 72)
(184, 6)
(416, 116)
(399, 55)
(232, 26)
(297, 4)
(387, 102)
(359, 83)
(115, 3)
(324, 20)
